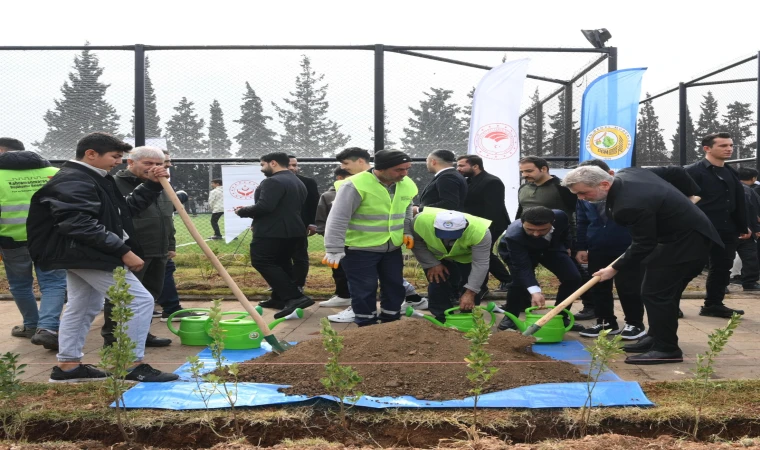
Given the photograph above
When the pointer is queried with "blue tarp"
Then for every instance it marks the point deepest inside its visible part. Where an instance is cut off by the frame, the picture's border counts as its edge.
(185, 393)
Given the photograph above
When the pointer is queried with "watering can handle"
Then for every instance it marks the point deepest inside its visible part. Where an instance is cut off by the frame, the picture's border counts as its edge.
(169, 320)
(485, 310)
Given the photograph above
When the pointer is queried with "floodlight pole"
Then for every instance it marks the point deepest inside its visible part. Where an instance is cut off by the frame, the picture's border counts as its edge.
(682, 107)
(612, 61)
(139, 95)
(757, 117)
(379, 97)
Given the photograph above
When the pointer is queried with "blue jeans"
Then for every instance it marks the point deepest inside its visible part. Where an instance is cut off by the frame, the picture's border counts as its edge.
(363, 270)
(18, 268)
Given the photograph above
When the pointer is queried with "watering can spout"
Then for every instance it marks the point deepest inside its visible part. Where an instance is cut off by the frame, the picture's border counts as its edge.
(410, 312)
(297, 314)
(519, 323)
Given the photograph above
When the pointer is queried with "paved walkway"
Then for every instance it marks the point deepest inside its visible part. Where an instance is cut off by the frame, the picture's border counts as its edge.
(740, 360)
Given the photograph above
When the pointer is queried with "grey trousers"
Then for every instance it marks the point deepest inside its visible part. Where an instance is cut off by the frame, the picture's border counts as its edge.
(86, 291)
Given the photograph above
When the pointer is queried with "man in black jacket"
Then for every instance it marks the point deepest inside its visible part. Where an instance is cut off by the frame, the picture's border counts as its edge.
(80, 222)
(278, 230)
(723, 203)
(746, 249)
(448, 189)
(308, 216)
(486, 199)
(671, 241)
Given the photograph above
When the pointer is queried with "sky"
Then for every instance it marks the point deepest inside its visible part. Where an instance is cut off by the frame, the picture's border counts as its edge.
(675, 41)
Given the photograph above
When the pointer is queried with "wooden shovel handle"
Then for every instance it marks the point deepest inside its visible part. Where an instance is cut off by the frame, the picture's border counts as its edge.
(212, 257)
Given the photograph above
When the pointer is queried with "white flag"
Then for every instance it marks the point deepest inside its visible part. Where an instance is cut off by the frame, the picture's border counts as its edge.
(240, 182)
(494, 125)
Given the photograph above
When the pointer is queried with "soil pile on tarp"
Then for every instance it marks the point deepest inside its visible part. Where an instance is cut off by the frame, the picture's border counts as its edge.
(410, 357)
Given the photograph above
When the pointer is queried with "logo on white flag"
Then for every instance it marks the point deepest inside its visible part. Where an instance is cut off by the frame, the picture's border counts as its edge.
(243, 189)
(496, 141)
(609, 142)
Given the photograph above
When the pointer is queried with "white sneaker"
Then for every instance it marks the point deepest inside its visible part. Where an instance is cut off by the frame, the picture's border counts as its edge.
(420, 305)
(336, 301)
(345, 316)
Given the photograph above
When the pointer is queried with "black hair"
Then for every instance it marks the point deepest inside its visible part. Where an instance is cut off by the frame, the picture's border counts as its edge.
(11, 144)
(709, 140)
(444, 155)
(473, 160)
(596, 162)
(746, 174)
(217, 181)
(280, 158)
(292, 156)
(340, 172)
(101, 143)
(540, 163)
(537, 215)
(353, 153)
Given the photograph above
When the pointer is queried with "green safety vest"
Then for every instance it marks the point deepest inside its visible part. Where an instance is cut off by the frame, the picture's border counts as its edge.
(378, 219)
(16, 190)
(461, 252)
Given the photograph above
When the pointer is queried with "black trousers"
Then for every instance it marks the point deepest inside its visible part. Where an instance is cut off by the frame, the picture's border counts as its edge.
(498, 269)
(215, 222)
(747, 250)
(556, 262)
(587, 299)
(341, 282)
(272, 258)
(440, 294)
(628, 285)
(719, 274)
(301, 261)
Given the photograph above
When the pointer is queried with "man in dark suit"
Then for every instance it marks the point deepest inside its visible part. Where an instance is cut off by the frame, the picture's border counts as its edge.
(308, 216)
(486, 199)
(448, 189)
(540, 236)
(671, 241)
(278, 230)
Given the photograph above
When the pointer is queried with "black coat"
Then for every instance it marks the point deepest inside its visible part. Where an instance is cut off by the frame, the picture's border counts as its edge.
(309, 210)
(485, 198)
(77, 220)
(653, 204)
(447, 190)
(277, 211)
(713, 192)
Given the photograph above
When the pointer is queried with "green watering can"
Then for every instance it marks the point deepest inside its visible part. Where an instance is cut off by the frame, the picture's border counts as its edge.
(243, 334)
(553, 331)
(192, 329)
(461, 321)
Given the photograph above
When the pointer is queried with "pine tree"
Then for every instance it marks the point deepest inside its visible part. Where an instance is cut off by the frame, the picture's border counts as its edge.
(308, 131)
(82, 110)
(738, 122)
(693, 151)
(467, 109)
(557, 126)
(708, 118)
(650, 145)
(185, 132)
(255, 139)
(529, 131)
(387, 142)
(435, 125)
(219, 143)
(152, 129)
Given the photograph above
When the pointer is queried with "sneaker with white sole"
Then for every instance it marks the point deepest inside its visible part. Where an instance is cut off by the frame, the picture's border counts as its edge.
(335, 302)
(82, 373)
(598, 328)
(631, 332)
(345, 316)
(420, 305)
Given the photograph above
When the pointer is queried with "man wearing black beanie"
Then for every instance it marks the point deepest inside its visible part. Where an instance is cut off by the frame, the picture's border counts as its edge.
(370, 219)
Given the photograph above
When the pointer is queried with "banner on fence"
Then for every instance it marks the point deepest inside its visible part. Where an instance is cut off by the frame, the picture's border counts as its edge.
(240, 182)
(494, 125)
(608, 117)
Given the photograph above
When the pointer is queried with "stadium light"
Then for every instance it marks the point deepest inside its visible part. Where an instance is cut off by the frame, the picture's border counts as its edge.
(597, 38)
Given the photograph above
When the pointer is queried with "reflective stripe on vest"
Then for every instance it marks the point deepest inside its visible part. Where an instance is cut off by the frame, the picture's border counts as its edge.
(378, 218)
(461, 252)
(16, 190)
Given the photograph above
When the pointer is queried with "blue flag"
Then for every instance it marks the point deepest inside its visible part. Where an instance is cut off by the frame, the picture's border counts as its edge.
(608, 117)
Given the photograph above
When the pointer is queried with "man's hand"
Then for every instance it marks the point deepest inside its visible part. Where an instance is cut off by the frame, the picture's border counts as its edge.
(311, 230)
(467, 301)
(409, 241)
(605, 274)
(333, 259)
(746, 235)
(415, 210)
(172, 254)
(537, 299)
(437, 274)
(157, 172)
(237, 209)
(132, 261)
(582, 257)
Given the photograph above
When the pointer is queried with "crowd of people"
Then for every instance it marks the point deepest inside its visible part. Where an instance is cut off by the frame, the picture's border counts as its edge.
(648, 231)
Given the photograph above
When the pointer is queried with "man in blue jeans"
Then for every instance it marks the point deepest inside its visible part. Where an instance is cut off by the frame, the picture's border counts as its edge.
(22, 173)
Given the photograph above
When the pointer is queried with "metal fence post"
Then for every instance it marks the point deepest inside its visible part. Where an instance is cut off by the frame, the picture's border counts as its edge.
(379, 97)
(612, 61)
(568, 125)
(139, 95)
(539, 128)
(757, 116)
(682, 107)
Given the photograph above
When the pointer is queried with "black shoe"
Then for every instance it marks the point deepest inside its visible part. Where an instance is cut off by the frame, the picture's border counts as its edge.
(585, 314)
(594, 331)
(272, 303)
(22, 331)
(145, 373)
(576, 327)
(507, 324)
(631, 332)
(719, 311)
(735, 280)
(642, 346)
(655, 357)
(751, 287)
(155, 341)
(726, 291)
(46, 339)
(680, 313)
(503, 286)
(156, 314)
(84, 372)
(291, 305)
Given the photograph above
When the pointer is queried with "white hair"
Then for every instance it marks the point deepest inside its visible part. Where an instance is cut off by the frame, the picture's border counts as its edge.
(139, 153)
(591, 176)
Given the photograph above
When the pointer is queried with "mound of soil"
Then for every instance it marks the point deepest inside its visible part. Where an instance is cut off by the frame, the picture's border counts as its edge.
(410, 357)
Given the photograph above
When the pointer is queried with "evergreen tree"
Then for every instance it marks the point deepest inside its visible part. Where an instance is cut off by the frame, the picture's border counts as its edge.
(255, 139)
(219, 143)
(185, 132)
(693, 150)
(83, 108)
(738, 121)
(308, 131)
(708, 119)
(650, 145)
(152, 129)
(529, 137)
(435, 125)
(467, 109)
(557, 126)
(388, 143)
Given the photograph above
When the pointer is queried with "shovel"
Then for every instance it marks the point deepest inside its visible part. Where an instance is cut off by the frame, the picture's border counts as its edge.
(277, 346)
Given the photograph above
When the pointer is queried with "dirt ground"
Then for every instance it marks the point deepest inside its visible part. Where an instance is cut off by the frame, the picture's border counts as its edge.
(413, 358)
